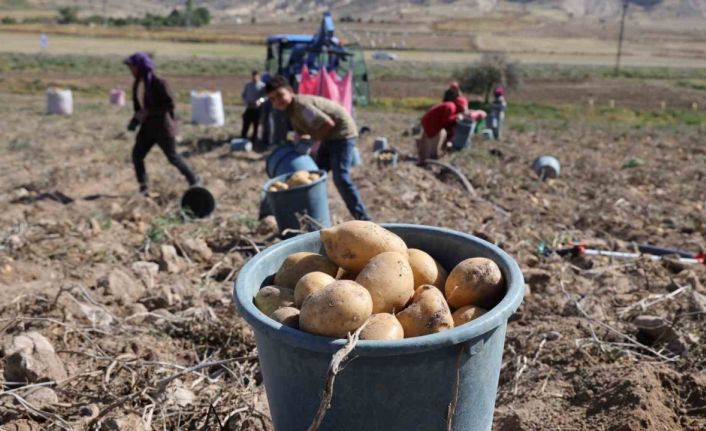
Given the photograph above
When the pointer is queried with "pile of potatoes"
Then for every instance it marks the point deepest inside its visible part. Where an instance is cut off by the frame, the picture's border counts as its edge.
(299, 178)
(369, 274)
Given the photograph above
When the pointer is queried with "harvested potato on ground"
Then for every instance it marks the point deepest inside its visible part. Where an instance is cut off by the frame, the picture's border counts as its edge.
(299, 178)
(382, 326)
(428, 314)
(466, 314)
(270, 298)
(353, 243)
(313, 176)
(337, 309)
(288, 316)
(295, 266)
(475, 281)
(426, 269)
(278, 186)
(389, 279)
(310, 283)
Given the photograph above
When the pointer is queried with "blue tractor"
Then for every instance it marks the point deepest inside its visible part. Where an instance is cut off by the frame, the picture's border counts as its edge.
(288, 53)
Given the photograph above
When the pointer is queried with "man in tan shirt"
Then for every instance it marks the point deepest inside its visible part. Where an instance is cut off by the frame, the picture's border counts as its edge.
(318, 118)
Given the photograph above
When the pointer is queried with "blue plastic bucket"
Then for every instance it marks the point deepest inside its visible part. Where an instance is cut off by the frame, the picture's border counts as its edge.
(285, 160)
(463, 132)
(546, 167)
(197, 202)
(310, 199)
(399, 385)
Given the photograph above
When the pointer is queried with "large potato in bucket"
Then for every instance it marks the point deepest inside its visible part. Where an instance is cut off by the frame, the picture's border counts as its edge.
(390, 281)
(475, 281)
(353, 243)
(270, 298)
(337, 309)
(299, 178)
(467, 314)
(382, 326)
(309, 284)
(428, 314)
(426, 269)
(296, 265)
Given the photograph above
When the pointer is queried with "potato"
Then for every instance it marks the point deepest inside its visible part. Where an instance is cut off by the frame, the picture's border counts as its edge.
(389, 279)
(299, 178)
(466, 314)
(288, 316)
(314, 176)
(295, 266)
(270, 298)
(475, 281)
(310, 283)
(382, 326)
(352, 244)
(277, 186)
(428, 314)
(426, 269)
(337, 309)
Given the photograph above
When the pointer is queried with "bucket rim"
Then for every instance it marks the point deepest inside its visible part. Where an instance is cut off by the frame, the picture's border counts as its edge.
(266, 186)
(494, 318)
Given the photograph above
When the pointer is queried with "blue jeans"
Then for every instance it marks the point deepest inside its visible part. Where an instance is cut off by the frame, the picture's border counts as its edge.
(337, 156)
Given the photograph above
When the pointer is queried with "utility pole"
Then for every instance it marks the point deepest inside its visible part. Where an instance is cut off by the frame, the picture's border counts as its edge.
(620, 37)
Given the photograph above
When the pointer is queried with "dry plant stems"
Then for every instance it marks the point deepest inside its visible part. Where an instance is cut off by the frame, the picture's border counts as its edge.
(334, 368)
(644, 303)
(631, 341)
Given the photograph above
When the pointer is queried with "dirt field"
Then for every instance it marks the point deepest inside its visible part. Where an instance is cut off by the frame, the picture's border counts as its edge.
(126, 318)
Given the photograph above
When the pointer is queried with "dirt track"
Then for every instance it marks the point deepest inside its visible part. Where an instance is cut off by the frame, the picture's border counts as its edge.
(574, 356)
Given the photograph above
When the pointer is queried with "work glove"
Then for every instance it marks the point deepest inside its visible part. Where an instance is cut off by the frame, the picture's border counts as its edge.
(133, 124)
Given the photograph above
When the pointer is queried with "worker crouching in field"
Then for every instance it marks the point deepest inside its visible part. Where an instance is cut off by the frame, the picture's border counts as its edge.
(437, 127)
(318, 118)
(154, 115)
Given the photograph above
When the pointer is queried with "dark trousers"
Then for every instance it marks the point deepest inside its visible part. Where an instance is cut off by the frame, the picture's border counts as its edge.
(337, 156)
(144, 144)
(251, 116)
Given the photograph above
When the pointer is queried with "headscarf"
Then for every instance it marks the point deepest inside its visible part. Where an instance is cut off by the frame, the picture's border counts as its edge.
(499, 91)
(461, 104)
(145, 71)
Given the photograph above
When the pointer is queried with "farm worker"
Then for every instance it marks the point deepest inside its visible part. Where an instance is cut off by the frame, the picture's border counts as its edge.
(437, 127)
(499, 93)
(154, 114)
(318, 118)
(252, 98)
(452, 93)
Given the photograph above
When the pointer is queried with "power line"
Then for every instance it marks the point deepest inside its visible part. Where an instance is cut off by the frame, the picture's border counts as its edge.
(620, 37)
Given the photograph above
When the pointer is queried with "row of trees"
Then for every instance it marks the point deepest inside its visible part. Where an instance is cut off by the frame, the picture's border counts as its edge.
(189, 17)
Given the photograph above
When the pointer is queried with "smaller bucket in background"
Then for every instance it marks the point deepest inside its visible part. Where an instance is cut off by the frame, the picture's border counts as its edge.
(387, 158)
(240, 144)
(285, 159)
(463, 132)
(197, 202)
(117, 97)
(546, 167)
(380, 144)
(310, 199)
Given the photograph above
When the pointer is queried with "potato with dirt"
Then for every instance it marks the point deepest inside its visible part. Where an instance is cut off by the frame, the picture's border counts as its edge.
(426, 269)
(296, 265)
(427, 314)
(309, 284)
(277, 186)
(353, 243)
(288, 316)
(390, 281)
(382, 326)
(337, 309)
(474, 281)
(270, 298)
(466, 314)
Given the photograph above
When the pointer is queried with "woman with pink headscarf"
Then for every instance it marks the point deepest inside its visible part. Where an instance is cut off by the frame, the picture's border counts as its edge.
(154, 115)
(437, 127)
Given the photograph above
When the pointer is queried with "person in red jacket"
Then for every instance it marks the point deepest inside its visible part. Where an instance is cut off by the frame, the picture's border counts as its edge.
(438, 124)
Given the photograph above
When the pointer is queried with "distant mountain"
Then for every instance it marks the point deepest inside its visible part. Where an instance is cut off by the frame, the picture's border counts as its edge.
(268, 10)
